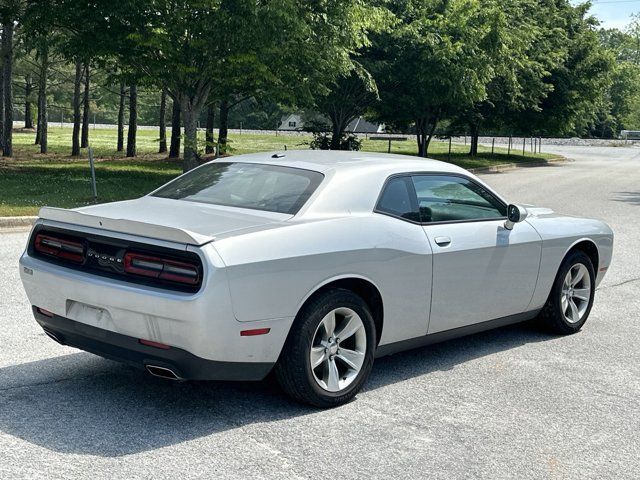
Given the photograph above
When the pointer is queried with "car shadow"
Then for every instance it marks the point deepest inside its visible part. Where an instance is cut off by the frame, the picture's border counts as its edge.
(83, 404)
(627, 197)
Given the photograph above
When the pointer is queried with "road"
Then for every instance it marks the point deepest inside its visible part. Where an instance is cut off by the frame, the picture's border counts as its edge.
(511, 403)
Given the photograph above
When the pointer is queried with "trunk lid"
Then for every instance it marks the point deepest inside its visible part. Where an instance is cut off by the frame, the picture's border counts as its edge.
(165, 219)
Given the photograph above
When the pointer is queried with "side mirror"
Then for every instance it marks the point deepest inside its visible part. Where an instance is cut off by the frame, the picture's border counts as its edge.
(515, 214)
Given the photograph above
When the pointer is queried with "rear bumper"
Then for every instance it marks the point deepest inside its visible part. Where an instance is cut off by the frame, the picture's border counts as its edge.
(129, 350)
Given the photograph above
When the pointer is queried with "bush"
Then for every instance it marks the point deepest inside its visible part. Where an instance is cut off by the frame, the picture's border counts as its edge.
(322, 141)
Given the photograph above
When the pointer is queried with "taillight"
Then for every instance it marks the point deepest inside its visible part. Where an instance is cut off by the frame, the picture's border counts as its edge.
(59, 247)
(161, 268)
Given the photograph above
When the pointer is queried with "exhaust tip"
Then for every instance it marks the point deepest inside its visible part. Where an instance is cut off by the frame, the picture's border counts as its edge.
(162, 372)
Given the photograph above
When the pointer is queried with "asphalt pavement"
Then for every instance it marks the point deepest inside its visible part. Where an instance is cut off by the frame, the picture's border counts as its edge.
(510, 403)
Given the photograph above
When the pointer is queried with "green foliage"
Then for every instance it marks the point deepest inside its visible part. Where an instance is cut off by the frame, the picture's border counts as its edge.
(435, 59)
(578, 82)
(327, 141)
(520, 66)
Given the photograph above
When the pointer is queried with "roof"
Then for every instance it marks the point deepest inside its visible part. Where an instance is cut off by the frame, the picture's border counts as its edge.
(360, 125)
(325, 160)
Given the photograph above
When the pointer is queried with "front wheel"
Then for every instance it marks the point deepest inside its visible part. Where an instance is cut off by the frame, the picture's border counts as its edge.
(329, 352)
(571, 297)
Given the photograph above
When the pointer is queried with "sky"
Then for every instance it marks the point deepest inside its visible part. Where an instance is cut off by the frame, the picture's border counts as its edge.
(614, 13)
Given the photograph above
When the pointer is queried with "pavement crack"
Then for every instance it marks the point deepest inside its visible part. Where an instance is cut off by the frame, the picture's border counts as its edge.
(48, 382)
(631, 280)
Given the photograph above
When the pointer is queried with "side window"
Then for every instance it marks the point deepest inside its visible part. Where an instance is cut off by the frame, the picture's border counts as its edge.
(398, 199)
(444, 198)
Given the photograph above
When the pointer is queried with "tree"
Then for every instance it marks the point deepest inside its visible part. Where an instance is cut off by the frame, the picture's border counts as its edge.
(524, 45)
(193, 45)
(40, 36)
(620, 108)
(7, 87)
(349, 98)
(431, 63)
(578, 83)
(85, 35)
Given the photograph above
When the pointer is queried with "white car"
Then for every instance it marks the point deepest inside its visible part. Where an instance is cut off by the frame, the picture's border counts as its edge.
(310, 263)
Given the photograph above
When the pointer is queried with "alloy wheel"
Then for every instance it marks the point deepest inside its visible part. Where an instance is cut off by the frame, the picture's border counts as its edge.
(576, 293)
(338, 349)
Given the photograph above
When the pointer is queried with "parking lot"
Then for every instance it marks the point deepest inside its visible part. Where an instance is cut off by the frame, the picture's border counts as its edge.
(510, 403)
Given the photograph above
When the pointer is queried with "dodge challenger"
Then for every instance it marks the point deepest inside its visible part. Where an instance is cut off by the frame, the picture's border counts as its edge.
(308, 264)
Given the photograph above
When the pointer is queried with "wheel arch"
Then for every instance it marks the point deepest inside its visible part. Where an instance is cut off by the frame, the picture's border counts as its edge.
(361, 286)
(589, 247)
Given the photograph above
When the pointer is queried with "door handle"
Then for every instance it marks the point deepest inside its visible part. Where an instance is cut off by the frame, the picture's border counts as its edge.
(443, 241)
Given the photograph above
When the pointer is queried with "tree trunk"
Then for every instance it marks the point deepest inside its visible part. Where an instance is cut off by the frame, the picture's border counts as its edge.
(133, 121)
(475, 138)
(223, 132)
(190, 114)
(162, 123)
(434, 124)
(75, 147)
(425, 128)
(84, 143)
(421, 136)
(209, 139)
(174, 151)
(43, 126)
(28, 91)
(338, 125)
(123, 93)
(336, 134)
(7, 61)
(1, 100)
(38, 122)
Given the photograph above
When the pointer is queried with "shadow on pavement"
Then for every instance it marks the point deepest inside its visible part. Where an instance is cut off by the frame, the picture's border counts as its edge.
(83, 404)
(627, 197)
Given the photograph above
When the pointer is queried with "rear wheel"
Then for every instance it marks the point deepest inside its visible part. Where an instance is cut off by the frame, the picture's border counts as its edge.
(329, 352)
(571, 297)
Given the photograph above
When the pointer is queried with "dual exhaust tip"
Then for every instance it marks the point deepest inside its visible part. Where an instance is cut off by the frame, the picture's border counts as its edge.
(162, 372)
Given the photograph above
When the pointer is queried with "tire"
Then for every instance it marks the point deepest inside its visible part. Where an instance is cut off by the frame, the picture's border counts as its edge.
(557, 315)
(325, 386)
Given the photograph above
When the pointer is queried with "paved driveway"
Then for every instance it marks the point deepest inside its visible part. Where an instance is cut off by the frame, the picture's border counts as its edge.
(511, 403)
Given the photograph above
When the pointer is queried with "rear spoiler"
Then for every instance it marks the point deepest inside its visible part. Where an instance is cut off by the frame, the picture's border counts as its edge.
(160, 232)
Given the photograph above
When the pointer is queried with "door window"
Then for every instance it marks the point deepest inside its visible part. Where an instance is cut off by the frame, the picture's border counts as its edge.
(443, 198)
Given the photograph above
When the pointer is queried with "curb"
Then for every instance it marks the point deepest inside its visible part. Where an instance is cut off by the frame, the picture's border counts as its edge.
(511, 166)
(16, 222)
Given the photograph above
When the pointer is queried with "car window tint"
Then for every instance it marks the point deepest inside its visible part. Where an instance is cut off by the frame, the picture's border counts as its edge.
(398, 199)
(245, 185)
(444, 198)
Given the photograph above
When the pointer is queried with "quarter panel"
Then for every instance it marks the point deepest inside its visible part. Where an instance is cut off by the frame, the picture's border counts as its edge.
(559, 234)
(272, 272)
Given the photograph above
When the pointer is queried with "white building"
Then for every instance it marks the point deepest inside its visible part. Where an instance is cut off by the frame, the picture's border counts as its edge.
(294, 121)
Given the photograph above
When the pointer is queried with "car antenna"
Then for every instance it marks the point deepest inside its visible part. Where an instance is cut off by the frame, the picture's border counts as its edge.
(278, 155)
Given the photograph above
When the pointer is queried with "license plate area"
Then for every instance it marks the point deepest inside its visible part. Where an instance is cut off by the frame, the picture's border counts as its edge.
(88, 314)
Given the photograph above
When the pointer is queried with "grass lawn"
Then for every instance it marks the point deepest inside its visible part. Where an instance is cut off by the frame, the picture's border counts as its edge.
(30, 180)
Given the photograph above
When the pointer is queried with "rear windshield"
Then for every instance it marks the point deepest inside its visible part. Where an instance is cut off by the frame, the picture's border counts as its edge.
(245, 185)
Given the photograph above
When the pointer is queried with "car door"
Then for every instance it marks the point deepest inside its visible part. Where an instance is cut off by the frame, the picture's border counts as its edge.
(481, 270)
